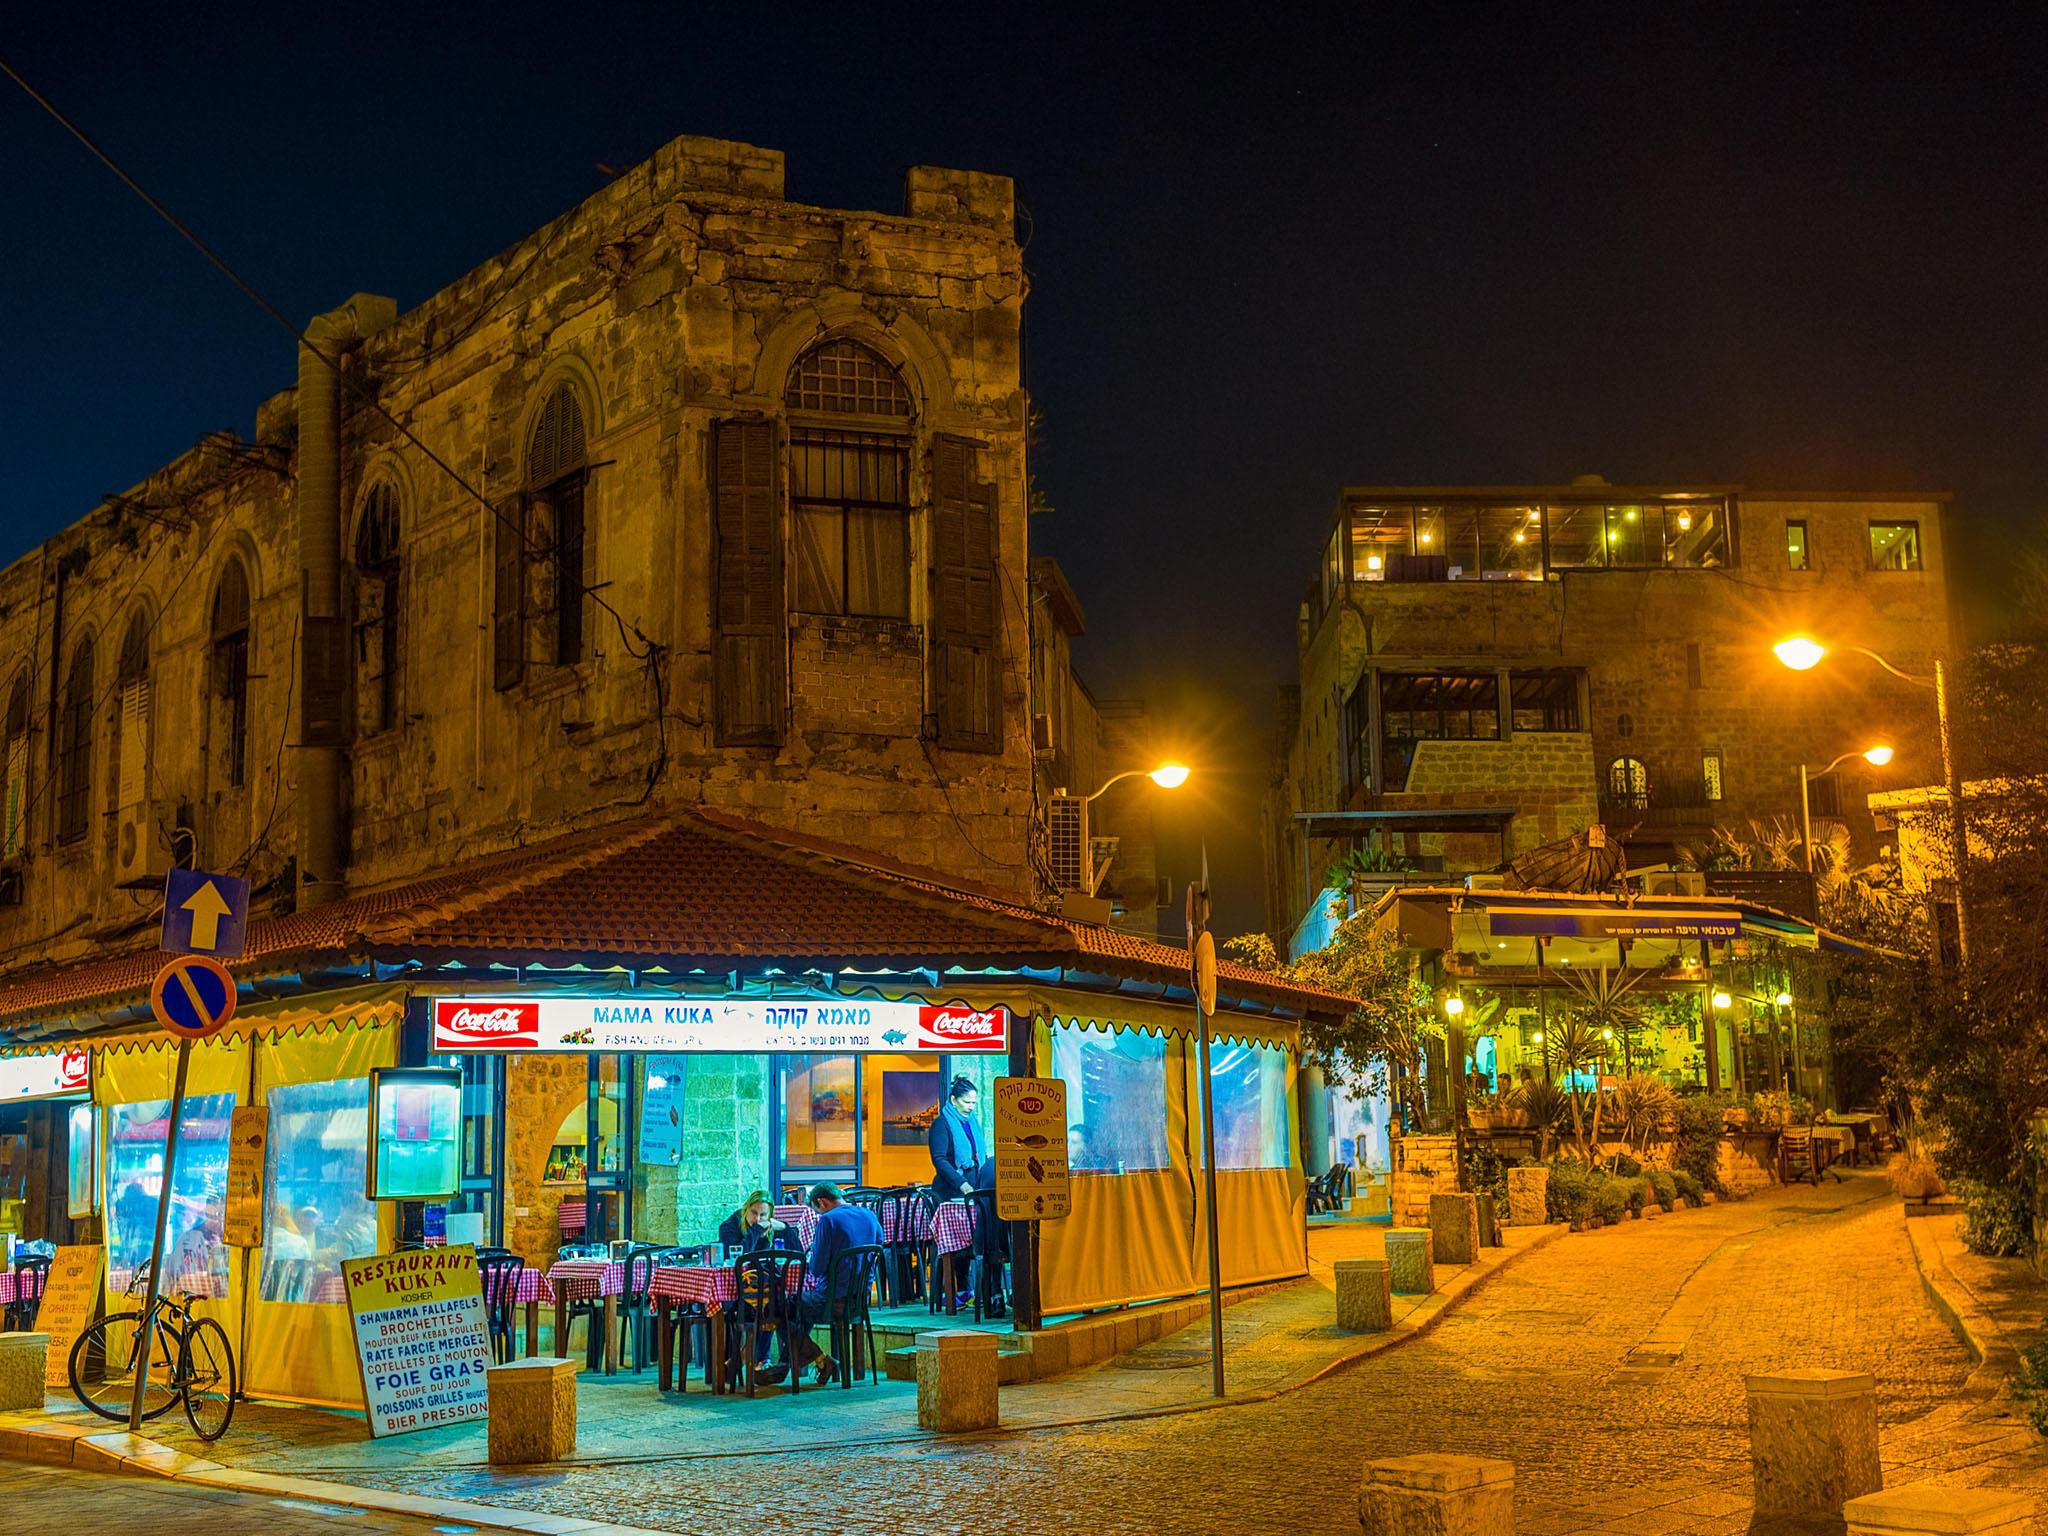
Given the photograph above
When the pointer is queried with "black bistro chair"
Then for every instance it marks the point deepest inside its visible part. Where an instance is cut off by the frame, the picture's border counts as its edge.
(946, 1279)
(904, 1214)
(767, 1285)
(501, 1273)
(31, 1275)
(688, 1323)
(849, 1289)
(636, 1307)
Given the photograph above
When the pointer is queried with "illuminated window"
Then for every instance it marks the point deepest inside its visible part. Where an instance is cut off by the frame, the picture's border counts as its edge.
(318, 1150)
(1250, 1097)
(1895, 546)
(1796, 556)
(1628, 783)
(1710, 774)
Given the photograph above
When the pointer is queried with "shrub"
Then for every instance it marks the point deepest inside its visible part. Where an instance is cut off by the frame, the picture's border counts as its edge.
(1996, 1220)
(2030, 1386)
(1688, 1187)
(1488, 1172)
(1627, 1166)
(1698, 1148)
(1665, 1185)
(1914, 1176)
(1569, 1195)
(1611, 1197)
(1770, 1111)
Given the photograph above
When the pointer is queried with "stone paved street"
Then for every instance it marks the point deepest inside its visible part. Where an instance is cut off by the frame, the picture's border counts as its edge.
(57, 1498)
(1608, 1367)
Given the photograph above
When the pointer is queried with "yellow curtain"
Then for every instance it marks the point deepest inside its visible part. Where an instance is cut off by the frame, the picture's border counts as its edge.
(303, 1348)
(1261, 1213)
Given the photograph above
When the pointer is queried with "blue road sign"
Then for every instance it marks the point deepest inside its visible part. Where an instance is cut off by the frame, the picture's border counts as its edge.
(204, 914)
(192, 996)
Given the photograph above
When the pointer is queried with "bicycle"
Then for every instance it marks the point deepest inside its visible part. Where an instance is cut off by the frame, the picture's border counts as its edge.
(190, 1363)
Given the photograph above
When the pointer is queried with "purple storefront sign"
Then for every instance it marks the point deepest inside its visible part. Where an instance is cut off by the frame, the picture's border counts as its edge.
(1612, 923)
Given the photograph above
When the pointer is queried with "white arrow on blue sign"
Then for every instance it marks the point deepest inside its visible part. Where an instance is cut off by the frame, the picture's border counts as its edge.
(204, 914)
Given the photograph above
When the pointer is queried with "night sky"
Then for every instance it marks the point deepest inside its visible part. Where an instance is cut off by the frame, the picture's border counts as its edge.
(1792, 247)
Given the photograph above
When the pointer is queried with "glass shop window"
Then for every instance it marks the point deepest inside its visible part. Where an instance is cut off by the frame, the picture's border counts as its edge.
(198, 1260)
(1116, 1098)
(1696, 534)
(1510, 544)
(1546, 700)
(318, 1213)
(1379, 535)
(1635, 536)
(1578, 537)
(1250, 1084)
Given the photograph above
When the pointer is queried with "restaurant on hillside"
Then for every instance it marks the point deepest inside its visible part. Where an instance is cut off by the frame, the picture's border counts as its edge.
(649, 1020)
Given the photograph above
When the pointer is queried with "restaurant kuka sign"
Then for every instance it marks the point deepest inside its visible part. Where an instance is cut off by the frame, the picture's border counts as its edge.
(1031, 1149)
(421, 1338)
(582, 1024)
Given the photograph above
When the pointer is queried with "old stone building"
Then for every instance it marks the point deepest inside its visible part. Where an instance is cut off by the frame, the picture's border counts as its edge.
(694, 495)
(1487, 669)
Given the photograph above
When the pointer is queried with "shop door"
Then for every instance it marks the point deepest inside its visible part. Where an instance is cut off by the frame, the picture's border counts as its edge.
(818, 1104)
(609, 1147)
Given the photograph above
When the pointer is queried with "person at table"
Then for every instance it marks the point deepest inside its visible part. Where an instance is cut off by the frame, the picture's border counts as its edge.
(840, 1227)
(753, 1227)
(1080, 1159)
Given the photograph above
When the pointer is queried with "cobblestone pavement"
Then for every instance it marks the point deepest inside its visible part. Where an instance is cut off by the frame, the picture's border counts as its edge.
(1608, 1367)
(57, 1498)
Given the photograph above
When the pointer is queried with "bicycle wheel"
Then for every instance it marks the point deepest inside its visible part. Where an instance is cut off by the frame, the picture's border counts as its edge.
(207, 1370)
(102, 1367)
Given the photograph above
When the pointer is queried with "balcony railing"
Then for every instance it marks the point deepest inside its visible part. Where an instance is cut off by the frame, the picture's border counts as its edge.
(1666, 803)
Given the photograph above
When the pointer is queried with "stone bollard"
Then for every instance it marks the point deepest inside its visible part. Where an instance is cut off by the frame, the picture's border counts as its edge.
(1409, 1265)
(1365, 1295)
(1528, 1196)
(1454, 1228)
(1924, 1509)
(956, 1380)
(1489, 1221)
(532, 1410)
(1812, 1441)
(24, 1360)
(1437, 1496)
(1372, 1201)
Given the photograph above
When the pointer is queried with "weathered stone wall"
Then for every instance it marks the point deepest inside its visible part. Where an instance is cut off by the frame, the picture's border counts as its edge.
(1422, 1166)
(678, 296)
(1748, 1161)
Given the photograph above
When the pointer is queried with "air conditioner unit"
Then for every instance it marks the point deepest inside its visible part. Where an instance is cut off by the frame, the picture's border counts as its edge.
(1674, 883)
(1066, 825)
(1486, 882)
(141, 858)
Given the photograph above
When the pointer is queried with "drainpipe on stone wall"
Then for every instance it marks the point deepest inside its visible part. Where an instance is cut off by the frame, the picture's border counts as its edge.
(323, 630)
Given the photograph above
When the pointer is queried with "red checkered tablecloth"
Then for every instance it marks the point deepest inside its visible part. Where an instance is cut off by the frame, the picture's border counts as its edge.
(952, 1227)
(20, 1285)
(571, 1215)
(802, 1217)
(574, 1279)
(533, 1286)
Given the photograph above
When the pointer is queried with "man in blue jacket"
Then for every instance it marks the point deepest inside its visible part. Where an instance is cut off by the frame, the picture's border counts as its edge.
(840, 1227)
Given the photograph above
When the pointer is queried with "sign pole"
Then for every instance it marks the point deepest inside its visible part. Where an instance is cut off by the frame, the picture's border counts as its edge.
(156, 1252)
(1202, 965)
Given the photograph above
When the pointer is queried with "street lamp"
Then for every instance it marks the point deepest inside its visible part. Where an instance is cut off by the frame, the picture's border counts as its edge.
(1876, 756)
(1166, 776)
(1537, 1039)
(1802, 653)
(1454, 1007)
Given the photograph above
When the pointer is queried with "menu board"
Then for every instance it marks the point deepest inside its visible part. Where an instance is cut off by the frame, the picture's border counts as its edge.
(248, 1141)
(1031, 1149)
(661, 1110)
(71, 1300)
(421, 1339)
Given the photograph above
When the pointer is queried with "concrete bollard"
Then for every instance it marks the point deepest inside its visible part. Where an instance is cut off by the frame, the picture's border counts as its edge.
(1437, 1496)
(532, 1410)
(1409, 1265)
(1454, 1228)
(1528, 1196)
(1365, 1295)
(1931, 1509)
(956, 1380)
(24, 1361)
(1813, 1441)
(1489, 1220)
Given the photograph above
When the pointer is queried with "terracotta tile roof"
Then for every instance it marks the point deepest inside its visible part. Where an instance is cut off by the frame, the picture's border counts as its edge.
(683, 889)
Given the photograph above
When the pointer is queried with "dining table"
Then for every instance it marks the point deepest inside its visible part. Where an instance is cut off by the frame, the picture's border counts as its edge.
(580, 1280)
(709, 1286)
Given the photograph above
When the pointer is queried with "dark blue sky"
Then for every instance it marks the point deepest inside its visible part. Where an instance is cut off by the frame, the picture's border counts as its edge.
(1786, 246)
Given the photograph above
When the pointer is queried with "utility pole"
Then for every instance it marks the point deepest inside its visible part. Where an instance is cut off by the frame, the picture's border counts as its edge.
(1202, 966)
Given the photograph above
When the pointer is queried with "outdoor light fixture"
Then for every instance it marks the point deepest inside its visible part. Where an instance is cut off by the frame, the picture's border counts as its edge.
(1166, 776)
(1374, 563)
(1723, 1000)
(1454, 1005)
(1799, 653)
(1684, 522)
(1783, 999)
(1422, 538)
(1537, 1038)
(1877, 757)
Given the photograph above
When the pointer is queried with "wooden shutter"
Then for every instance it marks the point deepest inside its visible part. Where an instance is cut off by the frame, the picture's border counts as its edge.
(508, 614)
(966, 655)
(749, 621)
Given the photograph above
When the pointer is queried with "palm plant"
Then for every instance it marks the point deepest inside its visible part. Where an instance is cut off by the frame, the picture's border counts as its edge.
(1604, 1014)
(1544, 1106)
(1643, 1104)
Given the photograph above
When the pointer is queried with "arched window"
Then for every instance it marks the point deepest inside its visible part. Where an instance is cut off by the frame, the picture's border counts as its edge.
(74, 745)
(377, 610)
(1628, 783)
(132, 717)
(849, 489)
(555, 475)
(14, 746)
(228, 663)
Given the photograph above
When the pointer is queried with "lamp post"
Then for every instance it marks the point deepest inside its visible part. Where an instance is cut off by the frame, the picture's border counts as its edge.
(1802, 653)
(1876, 756)
(1166, 776)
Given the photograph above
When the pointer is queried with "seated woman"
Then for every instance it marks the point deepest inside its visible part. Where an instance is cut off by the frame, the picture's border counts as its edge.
(754, 1226)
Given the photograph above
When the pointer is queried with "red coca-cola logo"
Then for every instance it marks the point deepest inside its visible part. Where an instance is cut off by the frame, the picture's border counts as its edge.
(964, 1029)
(74, 1070)
(492, 1026)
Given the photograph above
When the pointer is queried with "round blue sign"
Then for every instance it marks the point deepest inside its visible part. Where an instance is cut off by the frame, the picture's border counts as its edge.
(193, 996)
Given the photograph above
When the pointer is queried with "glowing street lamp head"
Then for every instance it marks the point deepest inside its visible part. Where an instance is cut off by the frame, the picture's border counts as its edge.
(1723, 1000)
(1877, 757)
(1799, 652)
(1784, 999)
(1169, 775)
(1454, 1005)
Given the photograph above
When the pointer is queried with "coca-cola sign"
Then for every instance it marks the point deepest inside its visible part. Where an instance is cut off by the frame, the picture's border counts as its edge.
(467, 1025)
(956, 1028)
